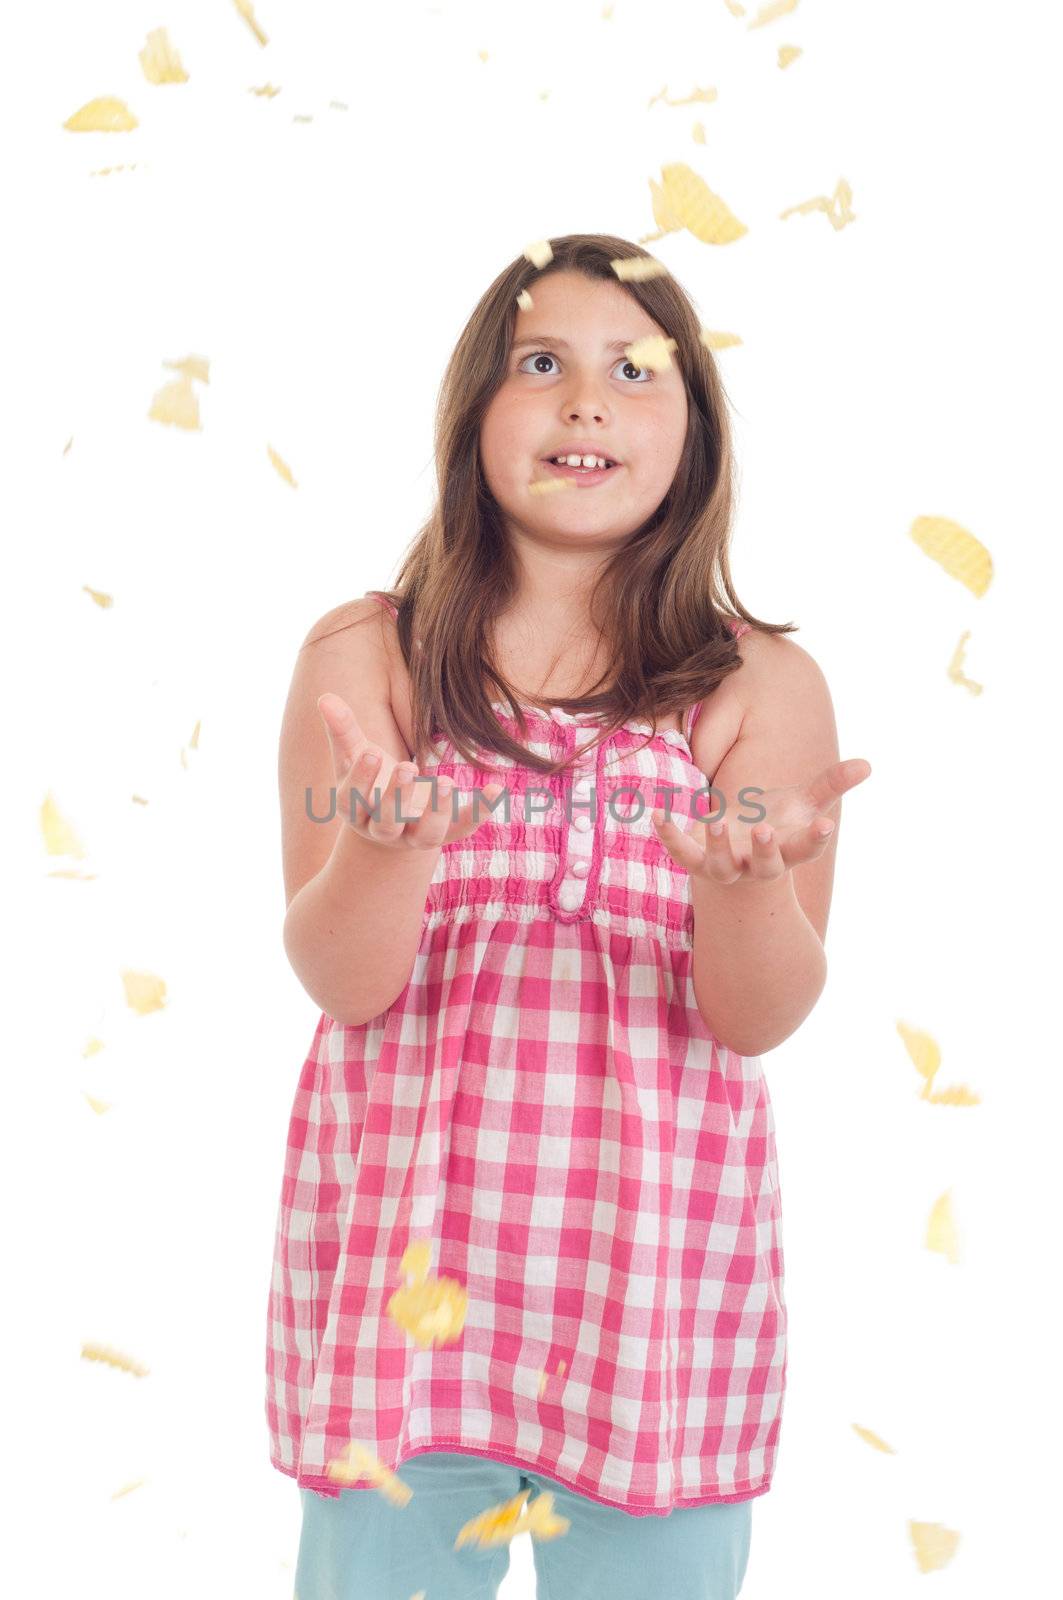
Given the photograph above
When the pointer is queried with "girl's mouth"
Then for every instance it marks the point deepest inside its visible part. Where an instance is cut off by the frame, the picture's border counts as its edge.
(584, 476)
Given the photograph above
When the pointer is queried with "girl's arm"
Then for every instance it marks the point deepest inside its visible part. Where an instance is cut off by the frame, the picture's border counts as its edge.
(759, 964)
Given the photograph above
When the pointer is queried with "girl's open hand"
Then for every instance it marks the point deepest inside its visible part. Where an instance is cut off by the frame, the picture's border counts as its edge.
(365, 767)
(796, 829)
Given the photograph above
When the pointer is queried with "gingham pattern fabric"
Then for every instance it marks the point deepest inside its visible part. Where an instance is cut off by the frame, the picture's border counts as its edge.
(545, 1104)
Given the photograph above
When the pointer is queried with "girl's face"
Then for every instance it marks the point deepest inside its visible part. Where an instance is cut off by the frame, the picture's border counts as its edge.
(569, 389)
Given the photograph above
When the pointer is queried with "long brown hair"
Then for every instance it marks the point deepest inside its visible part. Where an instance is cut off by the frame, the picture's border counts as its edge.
(666, 593)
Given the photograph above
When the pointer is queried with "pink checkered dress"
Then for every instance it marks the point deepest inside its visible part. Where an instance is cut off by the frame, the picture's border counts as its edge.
(545, 1104)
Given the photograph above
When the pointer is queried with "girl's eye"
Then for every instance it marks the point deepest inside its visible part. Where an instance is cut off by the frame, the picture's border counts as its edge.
(544, 355)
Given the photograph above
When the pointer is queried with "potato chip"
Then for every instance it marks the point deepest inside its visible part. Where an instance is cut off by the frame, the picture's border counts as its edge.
(539, 254)
(282, 467)
(695, 96)
(698, 209)
(934, 1544)
(734, 8)
(355, 1462)
(637, 269)
(175, 404)
(247, 11)
(58, 833)
(653, 352)
(266, 89)
(663, 215)
(159, 60)
(431, 1312)
(524, 300)
(416, 1261)
(788, 53)
(769, 13)
(107, 114)
(713, 340)
(836, 207)
(91, 1351)
(955, 550)
(955, 666)
(697, 133)
(144, 991)
(941, 1232)
(550, 485)
(923, 1051)
(99, 1106)
(873, 1440)
(104, 601)
(482, 54)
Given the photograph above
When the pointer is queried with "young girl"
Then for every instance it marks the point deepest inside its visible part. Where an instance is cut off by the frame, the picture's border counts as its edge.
(548, 960)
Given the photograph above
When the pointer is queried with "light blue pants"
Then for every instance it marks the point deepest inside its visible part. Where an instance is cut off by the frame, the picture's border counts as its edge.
(360, 1546)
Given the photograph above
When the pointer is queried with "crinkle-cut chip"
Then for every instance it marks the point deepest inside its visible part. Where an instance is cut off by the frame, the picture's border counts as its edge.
(699, 210)
(955, 666)
(768, 13)
(104, 601)
(837, 207)
(696, 96)
(541, 1521)
(159, 60)
(712, 339)
(933, 1543)
(144, 991)
(175, 404)
(955, 550)
(540, 254)
(734, 8)
(93, 1046)
(266, 89)
(99, 1106)
(873, 1439)
(788, 53)
(247, 11)
(663, 215)
(416, 1261)
(637, 269)
(60, 838)
(697, 133)
(92, 1351)
(654, 351)
(355, 1462)
(281, 466)
(941, 1232)
(432, 1312)
(107, 114)
(550, 485)
(923, 1051)
(525, 301)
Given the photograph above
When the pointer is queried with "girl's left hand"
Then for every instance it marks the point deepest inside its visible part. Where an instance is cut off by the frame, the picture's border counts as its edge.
(793, 831)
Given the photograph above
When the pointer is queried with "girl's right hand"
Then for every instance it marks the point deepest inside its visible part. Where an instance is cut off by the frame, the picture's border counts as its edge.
(359, 764)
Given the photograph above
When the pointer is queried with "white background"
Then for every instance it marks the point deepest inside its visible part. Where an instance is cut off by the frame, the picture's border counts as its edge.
(905, 365)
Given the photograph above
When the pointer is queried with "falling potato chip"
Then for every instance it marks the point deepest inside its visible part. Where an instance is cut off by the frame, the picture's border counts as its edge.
(663, 215)
(93, 1046)
(697, 96)
(955, 550)
(175, 404)
(699, 210)
(431, 1312)
(59, 836)
(788, 53)
(105, 115)
(102, 600)
(416, 1261)
(282, 467)
(99, 1106)
(524, 300)
(654, 352)
(540, 253)
(144, 992)
(266, 89)
(482, 54)
(923, 1051)
(91, 1351)
(955, 666)
(941, 1232)
(159, 60)
(550, 485)
(873, 1439)
(934, 1544)
(356, 1461)
(836, 207)
(768, 13)
(127, 1488)
(734, 8)
(502, 1523)
(697, 133)
(637, 269)
(247, 11)
(713, 340)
